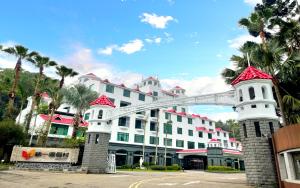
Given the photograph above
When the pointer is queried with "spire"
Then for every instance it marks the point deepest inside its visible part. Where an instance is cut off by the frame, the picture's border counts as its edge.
(251, 73)
(103, 100)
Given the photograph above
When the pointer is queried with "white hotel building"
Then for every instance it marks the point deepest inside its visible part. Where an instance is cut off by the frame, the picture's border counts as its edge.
(191, 139)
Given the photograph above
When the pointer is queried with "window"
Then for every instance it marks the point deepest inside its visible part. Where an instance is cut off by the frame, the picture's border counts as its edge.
(154, 140)
(167, 128)
(155, 94)
(251, 93)
(150, 82)
(225, 135)
(138, 124)
(112, 100)
(241, 95)
(124, 103)
(126, 93)
(110, 88)
(100, 114)
(218, 133)
(138, 138)
(152, 126)
(264, 92)
(153, 113)
(155, 83)
(209, 135)
(271, 127)
(190, 132)
(180, 143)
(190, 121)
(179, 130)
(201, 145)
(245, 130)
(167, 142)
(253, 106)
(211, 130)
(266, 106)
(182, 109)
(97, 139)
(210, 123)
(203, 121)
(175, 108)
(59, 129)
(123, 121)
(191, 145)
(231, 144)
(167, 116)
(257, 129)
(200, 134)
(141, 97)
(225, 142)
(87, 116)
(124, 137)
(296, 161)
(89, 138)
(179, 119)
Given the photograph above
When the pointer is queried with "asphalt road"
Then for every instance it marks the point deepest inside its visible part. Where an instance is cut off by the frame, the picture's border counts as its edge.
(188, 179)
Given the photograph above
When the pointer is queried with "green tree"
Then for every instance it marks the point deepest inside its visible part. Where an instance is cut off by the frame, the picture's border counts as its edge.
(79, 96)
(64, 72)
(21, 53)
(234, 129)
(41, 63)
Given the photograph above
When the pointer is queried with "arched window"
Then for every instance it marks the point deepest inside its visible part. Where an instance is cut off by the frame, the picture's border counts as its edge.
(240, 95)
(251, 93)
(264, 92)
(100, 114)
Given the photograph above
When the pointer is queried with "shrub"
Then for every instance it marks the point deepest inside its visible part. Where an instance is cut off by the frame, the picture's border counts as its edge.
(124, 167)
(73, 142)
(174, 167)
(220, 168)
(11, 133)
(157, 167)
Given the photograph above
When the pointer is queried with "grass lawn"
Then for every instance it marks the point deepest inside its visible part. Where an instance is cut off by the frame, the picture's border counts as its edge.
(149, 170)
(4, 166)
(224, 171)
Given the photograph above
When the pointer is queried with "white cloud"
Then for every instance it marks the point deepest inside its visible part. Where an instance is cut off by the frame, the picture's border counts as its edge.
(240, 40)
(131, 47)
(155, 40)
(107, 50)
(159, 22)
(252, 2)
(169, 37)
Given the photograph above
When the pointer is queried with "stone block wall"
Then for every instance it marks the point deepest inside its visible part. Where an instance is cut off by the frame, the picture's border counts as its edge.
(95, 152)
(258, 153)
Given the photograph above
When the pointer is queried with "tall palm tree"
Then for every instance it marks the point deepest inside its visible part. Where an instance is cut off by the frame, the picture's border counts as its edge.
(21, 53)
(79, 96)
(64, 72)
(40, 62)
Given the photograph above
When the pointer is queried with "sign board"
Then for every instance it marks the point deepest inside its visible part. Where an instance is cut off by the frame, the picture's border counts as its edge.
(44, 155)
(111, 164)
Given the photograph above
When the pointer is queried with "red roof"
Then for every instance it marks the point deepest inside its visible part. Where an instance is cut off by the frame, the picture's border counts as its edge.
(178, 87)
(63, 120)
(235, 152)
(171, 111)
(214, 140)
(122, 85)
(103, 100)
(106, 81)
(90, 74)
(200, 129)
(168, 93)
(182, 113)
(151, 78)
(192, 151)
(232, 140)
(195, 115)
(251, 73)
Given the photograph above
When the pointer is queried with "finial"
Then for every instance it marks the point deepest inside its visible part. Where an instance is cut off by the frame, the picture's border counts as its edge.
(248, 60)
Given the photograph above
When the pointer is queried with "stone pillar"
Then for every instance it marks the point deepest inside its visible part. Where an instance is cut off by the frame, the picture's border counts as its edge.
(96, 152)
(258, 153)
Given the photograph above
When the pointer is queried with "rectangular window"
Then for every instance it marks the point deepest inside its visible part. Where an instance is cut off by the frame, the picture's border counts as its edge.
(110, 88)
(124, 137)
(203, 121)
(201, 145)
(138, 138)
(97, 139)
(225, 143)
(154, 140)
(190, 121)
(89, 139)
(87, 116)
(179, 119)
(245, 130)
(210, 123)
(209, 136)
(126, 93)
(123, 121)
(191, 145)
(167, 128)
(180, 143)
(138, 124)
(200, 134)
(271, 127)
(141, 97)
(218, 133)
(168, 141)
(152, 126)
(224, 134)
(257, 129)
(167, 116)
(231, 144)
(190, 132)
(174, 108)
(153, 113)
(123, 103)
(155, 94)
(182, 109)
(59, 129)
(179, 130)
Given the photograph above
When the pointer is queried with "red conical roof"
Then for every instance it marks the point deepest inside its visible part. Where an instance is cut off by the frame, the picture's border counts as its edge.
(251, 73)
(103, 100)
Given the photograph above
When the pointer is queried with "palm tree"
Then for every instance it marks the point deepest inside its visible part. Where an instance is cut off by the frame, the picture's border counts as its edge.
(79, 96)
(64, 72)
(21, 53)
(40, 62)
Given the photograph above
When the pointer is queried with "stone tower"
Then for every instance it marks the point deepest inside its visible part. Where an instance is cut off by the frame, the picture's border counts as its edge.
(255, 105)
(98, 135)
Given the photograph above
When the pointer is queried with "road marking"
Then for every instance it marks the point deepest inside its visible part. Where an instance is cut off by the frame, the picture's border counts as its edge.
(191, 182)
(168, 184)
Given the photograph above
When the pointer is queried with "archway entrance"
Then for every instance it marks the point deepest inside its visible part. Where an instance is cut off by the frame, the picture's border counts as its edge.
(195, 162)
(121, 157)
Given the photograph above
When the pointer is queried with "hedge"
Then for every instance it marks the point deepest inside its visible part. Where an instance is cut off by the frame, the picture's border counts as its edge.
(220, 168)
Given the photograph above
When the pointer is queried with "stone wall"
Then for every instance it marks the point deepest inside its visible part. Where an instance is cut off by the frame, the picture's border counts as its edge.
(258, 153)
(46, 166)
(95, 152)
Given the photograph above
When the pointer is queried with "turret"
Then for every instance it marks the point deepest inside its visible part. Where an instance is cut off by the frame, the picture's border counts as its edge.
(178, 91)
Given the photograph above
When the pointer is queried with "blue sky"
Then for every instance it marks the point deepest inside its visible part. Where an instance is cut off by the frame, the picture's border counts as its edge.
(184, 43)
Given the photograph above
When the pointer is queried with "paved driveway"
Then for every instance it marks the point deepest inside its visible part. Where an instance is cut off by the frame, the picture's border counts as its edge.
(189, 179)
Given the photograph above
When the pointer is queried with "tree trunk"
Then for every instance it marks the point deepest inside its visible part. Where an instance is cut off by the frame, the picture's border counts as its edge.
(46, 130)
(76, 124)
(280, 103)
(61, 83)
(21, 108)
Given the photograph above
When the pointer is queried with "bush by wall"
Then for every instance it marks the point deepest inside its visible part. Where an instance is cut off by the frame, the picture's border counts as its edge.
(220, 168)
